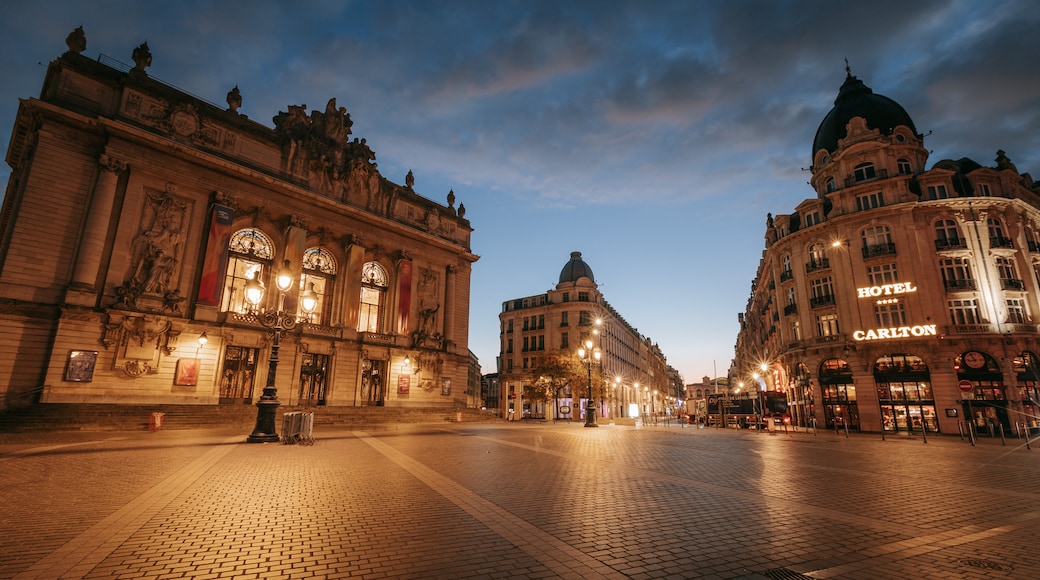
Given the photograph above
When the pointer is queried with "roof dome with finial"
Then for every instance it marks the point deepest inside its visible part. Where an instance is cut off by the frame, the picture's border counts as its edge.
(576, 268)
(855, 99)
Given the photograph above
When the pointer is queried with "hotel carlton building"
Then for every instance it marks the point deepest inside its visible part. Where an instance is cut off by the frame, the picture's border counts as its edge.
(901, 297)
(632, 378)
(145, 235)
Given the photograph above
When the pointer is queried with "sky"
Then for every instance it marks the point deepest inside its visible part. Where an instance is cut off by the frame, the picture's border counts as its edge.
(652, 136)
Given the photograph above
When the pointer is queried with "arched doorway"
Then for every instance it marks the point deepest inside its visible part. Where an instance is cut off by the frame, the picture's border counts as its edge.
(839, 394)
(905, 396)
(986, 407)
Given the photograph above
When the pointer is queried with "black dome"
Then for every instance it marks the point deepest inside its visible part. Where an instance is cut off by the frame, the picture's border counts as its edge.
(576, 268)
(855, 99)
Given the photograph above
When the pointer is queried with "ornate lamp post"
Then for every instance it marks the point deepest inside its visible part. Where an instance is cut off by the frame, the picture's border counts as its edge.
(587, 354)
(278, 321)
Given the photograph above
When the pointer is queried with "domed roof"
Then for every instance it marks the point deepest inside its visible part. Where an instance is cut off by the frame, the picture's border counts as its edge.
(576, 268)
(855, 99)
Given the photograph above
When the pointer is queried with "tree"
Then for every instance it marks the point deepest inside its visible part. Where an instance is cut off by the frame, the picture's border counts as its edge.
(555, 370)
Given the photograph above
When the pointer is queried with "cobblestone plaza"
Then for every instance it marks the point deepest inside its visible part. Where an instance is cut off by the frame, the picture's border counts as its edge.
(537, 500)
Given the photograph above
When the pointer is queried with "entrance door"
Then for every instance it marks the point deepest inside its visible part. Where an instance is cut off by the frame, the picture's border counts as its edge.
(372, 383)
(988, 417)
(314, 372)
(236, 380)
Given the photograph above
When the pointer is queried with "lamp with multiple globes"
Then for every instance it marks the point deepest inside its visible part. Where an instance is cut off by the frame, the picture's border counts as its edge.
(587, 354)
(278, 322)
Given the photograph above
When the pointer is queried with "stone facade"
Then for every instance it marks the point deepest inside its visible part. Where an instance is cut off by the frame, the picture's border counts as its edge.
(137, 214)
(632, 379)
(900, 298)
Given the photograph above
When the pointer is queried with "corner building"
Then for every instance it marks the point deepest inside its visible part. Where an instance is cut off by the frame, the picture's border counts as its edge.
(631, 380)
(899, 298)
(137, 215)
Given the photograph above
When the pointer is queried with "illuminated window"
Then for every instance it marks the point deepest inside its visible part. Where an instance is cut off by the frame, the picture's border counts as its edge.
(249, 256)
(374, 283)
(827, 325)
(796, 330)
(319, 275)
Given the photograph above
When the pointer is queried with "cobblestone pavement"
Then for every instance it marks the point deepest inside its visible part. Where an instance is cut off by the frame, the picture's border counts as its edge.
(537, 500)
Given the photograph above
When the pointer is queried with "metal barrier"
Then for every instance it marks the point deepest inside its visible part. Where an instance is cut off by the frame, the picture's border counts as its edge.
(298, 427)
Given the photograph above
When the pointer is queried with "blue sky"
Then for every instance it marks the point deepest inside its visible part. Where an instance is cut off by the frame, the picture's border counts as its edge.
(652, 136)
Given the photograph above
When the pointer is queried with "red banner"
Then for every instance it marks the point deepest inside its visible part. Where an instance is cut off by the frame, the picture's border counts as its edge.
(215, 261)
(404, 296)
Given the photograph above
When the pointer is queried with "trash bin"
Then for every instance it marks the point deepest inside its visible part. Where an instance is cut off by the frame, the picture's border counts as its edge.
(155, 421)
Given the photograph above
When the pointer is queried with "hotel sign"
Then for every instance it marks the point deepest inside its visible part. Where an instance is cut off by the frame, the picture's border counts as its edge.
(897, 331)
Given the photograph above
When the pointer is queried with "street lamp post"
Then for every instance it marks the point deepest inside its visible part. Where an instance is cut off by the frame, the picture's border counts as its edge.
(587, 354)
(279, 322)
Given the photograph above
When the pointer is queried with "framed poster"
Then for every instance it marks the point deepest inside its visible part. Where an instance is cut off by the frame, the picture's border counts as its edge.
(187, 374)
(445, 386)
(80, 368)
(404, 383)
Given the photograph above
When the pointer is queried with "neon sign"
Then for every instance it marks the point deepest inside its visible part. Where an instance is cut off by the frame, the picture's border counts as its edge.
(895, 332)
(886, 290)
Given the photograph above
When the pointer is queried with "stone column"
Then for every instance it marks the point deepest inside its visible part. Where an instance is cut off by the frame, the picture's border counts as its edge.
(83, 289)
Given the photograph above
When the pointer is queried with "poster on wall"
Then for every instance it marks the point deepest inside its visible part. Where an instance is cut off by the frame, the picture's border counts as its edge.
(446, 386)
(403, 383)
(81, 366)
(187, 374)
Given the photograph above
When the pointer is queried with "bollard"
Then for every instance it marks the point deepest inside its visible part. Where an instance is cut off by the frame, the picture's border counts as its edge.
(960, 429)
(1002, 440)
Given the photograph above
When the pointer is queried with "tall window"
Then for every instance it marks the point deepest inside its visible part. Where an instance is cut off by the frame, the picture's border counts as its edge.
(947, 235)
(790, 296)
(827, 325)
(249, 257)
(956, 274)
(785, 264)
(374, 283)
(996, 234)
(889, 314)
(822, 290)
(982, 189)
(904, 167)
(796, 330)
(817, 259)
(869, 201)
(1006, 267)
(319, 273)
(881, 274)
(964, 311)
(864, 171)
(877, 241)
(1016, 311)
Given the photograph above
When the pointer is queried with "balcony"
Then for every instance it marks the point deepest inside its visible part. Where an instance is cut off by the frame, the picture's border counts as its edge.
(819, 264)
(950, 244)
(1012, 284)
(876, 250)
(959, 285)
(821, 301)
(790, 309)
(1000, 242)
(786, 275)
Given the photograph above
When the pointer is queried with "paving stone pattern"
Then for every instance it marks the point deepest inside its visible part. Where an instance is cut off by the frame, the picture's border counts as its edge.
(537, 500)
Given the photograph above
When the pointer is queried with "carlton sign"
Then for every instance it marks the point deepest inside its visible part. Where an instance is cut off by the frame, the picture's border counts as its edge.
(895, 332)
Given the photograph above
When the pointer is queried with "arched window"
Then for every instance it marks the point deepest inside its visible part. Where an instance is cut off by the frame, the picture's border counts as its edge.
(864, 171)
(817, 259)
(947, 235)
(996, 234)
(319, 276)
(249, 257)
(374, 283)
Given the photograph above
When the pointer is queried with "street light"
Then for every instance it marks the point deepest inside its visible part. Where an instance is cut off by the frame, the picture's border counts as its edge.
(278, 321)
(586, 354)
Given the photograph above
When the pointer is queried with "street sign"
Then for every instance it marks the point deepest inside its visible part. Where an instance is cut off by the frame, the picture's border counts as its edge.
(966, 386)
